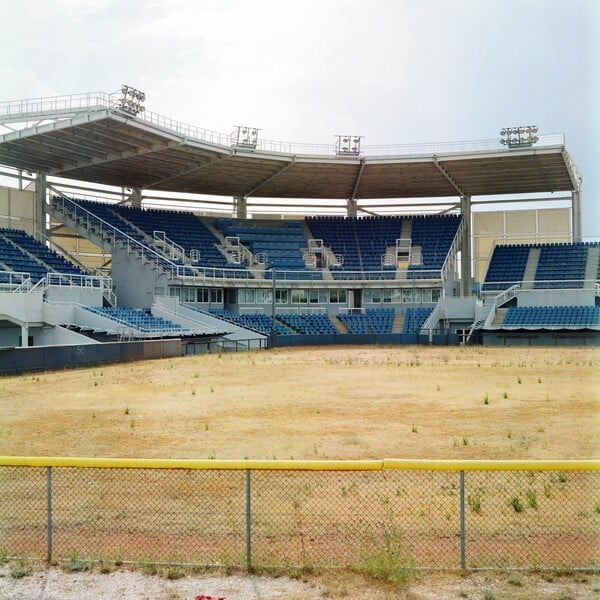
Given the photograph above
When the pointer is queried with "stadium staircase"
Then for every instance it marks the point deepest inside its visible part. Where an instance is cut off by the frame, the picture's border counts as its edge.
(530, 268)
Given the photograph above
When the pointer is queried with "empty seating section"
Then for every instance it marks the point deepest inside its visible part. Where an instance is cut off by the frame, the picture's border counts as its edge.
(506, 267)
(282, 243)
(380, 320)
(56, 262)
(434, 234)
(361, 242)
(139, 319)
(551, 317)
(256, 321)
(356, 323)
(309, 323)
(561, 266)
(373, 320)
(21, 252)
(414, 319)
(183, 228)
(123, 229)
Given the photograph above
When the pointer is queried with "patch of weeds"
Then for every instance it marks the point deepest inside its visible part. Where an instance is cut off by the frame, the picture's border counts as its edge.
(193, 392)
(20, 568)
(75, 563)
(465, 440)
(548, 490)
(132, 423)
(488, 595)
(505, 395)
(390, 561)
(474, 501)
(519, 380)
(173, 573)
(106, 566)
(206, 426)
(212, 389)
(531, 498)
(127, 410)
(3, 556)
(147, 567)
(486, 399)
(517, 504)
(414, 429)
(437, 387)
(597, 508)
(539, 380)
(562, 478)
(509, 434)
(515, 580)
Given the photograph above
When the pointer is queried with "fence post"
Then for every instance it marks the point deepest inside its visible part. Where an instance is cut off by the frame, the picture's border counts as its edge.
(462, 521)
(248, 522)
(49, 513)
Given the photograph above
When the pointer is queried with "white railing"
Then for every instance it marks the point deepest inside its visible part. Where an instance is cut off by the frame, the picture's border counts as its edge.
(94, 100)
(15, 281)
(168, 247)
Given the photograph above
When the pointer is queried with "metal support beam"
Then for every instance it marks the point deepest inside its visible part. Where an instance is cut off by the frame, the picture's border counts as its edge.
(269, 178)
(465, 250)
(40, 203)
(187, 171)
(576, 215)
(351, 204)
(447, 176)
(95, 161)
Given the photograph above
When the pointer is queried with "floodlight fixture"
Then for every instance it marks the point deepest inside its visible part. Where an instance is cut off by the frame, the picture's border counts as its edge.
(519, 137)
(244, 137)
(131, 100)
(348, 145)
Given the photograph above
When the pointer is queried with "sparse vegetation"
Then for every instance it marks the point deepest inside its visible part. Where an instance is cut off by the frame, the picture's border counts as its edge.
(517, 504)
(20, 568)
(75, 563)
(389, 561)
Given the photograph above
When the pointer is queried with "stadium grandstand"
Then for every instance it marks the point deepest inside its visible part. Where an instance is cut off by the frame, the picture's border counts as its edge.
(121, 226)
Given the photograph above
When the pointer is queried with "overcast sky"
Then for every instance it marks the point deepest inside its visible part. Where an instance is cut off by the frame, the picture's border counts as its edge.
(394, 71)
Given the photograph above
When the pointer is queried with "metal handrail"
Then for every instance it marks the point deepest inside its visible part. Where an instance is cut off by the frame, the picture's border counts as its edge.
(103, 100)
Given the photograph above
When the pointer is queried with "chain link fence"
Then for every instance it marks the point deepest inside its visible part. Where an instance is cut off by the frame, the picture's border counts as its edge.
(304, 517)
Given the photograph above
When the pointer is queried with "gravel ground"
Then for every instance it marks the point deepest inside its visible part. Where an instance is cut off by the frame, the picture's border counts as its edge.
(54, 584)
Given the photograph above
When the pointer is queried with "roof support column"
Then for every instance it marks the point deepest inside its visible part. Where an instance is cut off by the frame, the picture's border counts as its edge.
(576, 215)
(136, 198)
(240, 207)
(39, 209)
(351, 208)
(465, 250)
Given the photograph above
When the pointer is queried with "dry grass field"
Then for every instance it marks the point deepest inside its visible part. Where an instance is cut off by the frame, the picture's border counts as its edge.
(326, 403)
(315, 403)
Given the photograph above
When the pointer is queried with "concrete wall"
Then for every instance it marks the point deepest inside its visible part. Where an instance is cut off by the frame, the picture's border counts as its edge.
(133, 283)
(556, 297)
(541, 338)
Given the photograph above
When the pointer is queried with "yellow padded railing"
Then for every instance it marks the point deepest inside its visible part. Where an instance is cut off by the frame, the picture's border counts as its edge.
(303, 465)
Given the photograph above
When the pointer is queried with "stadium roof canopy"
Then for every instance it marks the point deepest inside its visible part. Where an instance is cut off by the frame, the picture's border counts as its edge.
(95, 138)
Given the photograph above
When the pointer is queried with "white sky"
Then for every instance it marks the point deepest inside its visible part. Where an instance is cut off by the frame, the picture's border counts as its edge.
(395, 71)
